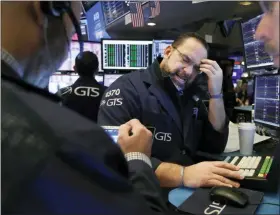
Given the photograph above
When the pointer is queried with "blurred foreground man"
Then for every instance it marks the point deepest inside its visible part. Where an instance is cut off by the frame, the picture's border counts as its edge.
(53, 160)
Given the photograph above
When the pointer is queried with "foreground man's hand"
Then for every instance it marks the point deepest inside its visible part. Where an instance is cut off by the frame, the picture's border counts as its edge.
(135, 137)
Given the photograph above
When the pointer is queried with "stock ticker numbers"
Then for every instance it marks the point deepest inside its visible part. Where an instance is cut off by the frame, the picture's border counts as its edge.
(267, 101)
(126, 54)
(255, 53)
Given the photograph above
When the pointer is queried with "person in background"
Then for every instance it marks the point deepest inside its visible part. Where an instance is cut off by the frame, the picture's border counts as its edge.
(268, 29)
(85, 94)
(169, 96)
(228, 88)
(54, 161)
(242, 96)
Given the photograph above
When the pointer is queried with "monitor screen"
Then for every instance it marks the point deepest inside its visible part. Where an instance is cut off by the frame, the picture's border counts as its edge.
(112, 131)
(110, 78)
(74, 51)
(254, 50)
(267, 100)
(126, 54)
(159, 47)
(59, 80)
(99, 79)
(96, 23)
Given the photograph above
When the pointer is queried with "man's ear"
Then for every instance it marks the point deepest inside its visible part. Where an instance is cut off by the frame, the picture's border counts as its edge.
(167, 51)
(37, 14)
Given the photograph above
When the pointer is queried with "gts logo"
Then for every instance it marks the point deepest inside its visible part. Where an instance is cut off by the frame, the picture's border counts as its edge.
(167, 137)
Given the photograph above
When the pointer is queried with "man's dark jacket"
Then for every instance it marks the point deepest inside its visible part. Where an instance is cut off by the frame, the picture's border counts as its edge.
(57, 162)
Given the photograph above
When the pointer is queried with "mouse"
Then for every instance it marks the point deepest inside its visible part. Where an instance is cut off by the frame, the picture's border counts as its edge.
(230, 196)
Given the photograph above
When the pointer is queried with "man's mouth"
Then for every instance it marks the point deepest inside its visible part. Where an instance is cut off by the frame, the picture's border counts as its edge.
(183, 78)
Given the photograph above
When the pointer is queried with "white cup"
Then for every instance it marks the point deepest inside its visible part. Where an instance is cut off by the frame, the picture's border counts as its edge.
(246, 137)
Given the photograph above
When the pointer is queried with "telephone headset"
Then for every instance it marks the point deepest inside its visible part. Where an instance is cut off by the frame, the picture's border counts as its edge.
(58, 9)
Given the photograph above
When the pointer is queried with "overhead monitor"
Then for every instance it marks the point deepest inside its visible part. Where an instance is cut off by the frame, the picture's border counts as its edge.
(74, 50)
(59, 80)
(255, 54)
(267, 100)
(159, 47)
(126, 54)
(110, 78)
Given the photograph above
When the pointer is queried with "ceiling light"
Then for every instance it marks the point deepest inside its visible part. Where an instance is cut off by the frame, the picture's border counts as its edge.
(245, 3)
(151, 24)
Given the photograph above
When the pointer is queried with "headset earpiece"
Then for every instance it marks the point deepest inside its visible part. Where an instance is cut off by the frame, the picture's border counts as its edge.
(55, 8)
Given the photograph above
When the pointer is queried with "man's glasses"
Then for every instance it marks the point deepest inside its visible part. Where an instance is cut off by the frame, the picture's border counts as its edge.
(188, 61)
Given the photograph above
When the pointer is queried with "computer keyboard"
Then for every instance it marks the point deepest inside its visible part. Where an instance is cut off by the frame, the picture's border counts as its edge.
(260, 172)
(252, 166)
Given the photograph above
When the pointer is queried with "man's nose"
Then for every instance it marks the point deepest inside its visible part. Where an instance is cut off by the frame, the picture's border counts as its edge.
(263, 29)
(188, 69)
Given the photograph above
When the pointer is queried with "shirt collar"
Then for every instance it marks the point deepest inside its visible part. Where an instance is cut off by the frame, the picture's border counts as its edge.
(12, 62)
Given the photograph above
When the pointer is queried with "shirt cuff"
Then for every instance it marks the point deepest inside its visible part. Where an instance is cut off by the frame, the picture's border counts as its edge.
(138, 156)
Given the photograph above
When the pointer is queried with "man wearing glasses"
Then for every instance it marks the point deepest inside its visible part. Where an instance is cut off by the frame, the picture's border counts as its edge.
(168, 96)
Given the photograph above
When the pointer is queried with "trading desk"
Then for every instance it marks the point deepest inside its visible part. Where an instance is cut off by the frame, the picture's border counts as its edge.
(179, 195)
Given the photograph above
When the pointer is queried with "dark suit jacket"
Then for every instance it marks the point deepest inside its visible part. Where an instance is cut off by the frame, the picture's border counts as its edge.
(57, 162)
(84, 97)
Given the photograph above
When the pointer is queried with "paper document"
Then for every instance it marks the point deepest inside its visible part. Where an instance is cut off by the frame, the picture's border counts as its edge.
(233, 138)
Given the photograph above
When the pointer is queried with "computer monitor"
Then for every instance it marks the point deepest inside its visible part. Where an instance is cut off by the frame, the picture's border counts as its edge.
(74, 50)
(99, 79)
(267, 100)
(255, 55)
(59, 80)
(126, 54)
(159, 47)
(110, 78)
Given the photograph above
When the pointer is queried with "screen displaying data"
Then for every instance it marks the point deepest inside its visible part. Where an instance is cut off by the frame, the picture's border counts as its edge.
(267, 100)
(255, 54)
(75, 50)
(159, 47)
(110, 78)
(126, 54)
(59, 80)
(113, 132)
(99, 79)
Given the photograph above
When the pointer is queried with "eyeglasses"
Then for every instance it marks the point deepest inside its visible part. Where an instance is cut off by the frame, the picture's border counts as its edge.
(267, 6)
(188, 61)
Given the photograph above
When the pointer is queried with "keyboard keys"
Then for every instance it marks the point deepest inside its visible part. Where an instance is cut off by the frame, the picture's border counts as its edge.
(245, 173)
(227, 159)
(250, 165)
(235, 159)
(256, 163)
(268, 167)
(245, 163)
(251, 173)
(241, 162)
(264, 166)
